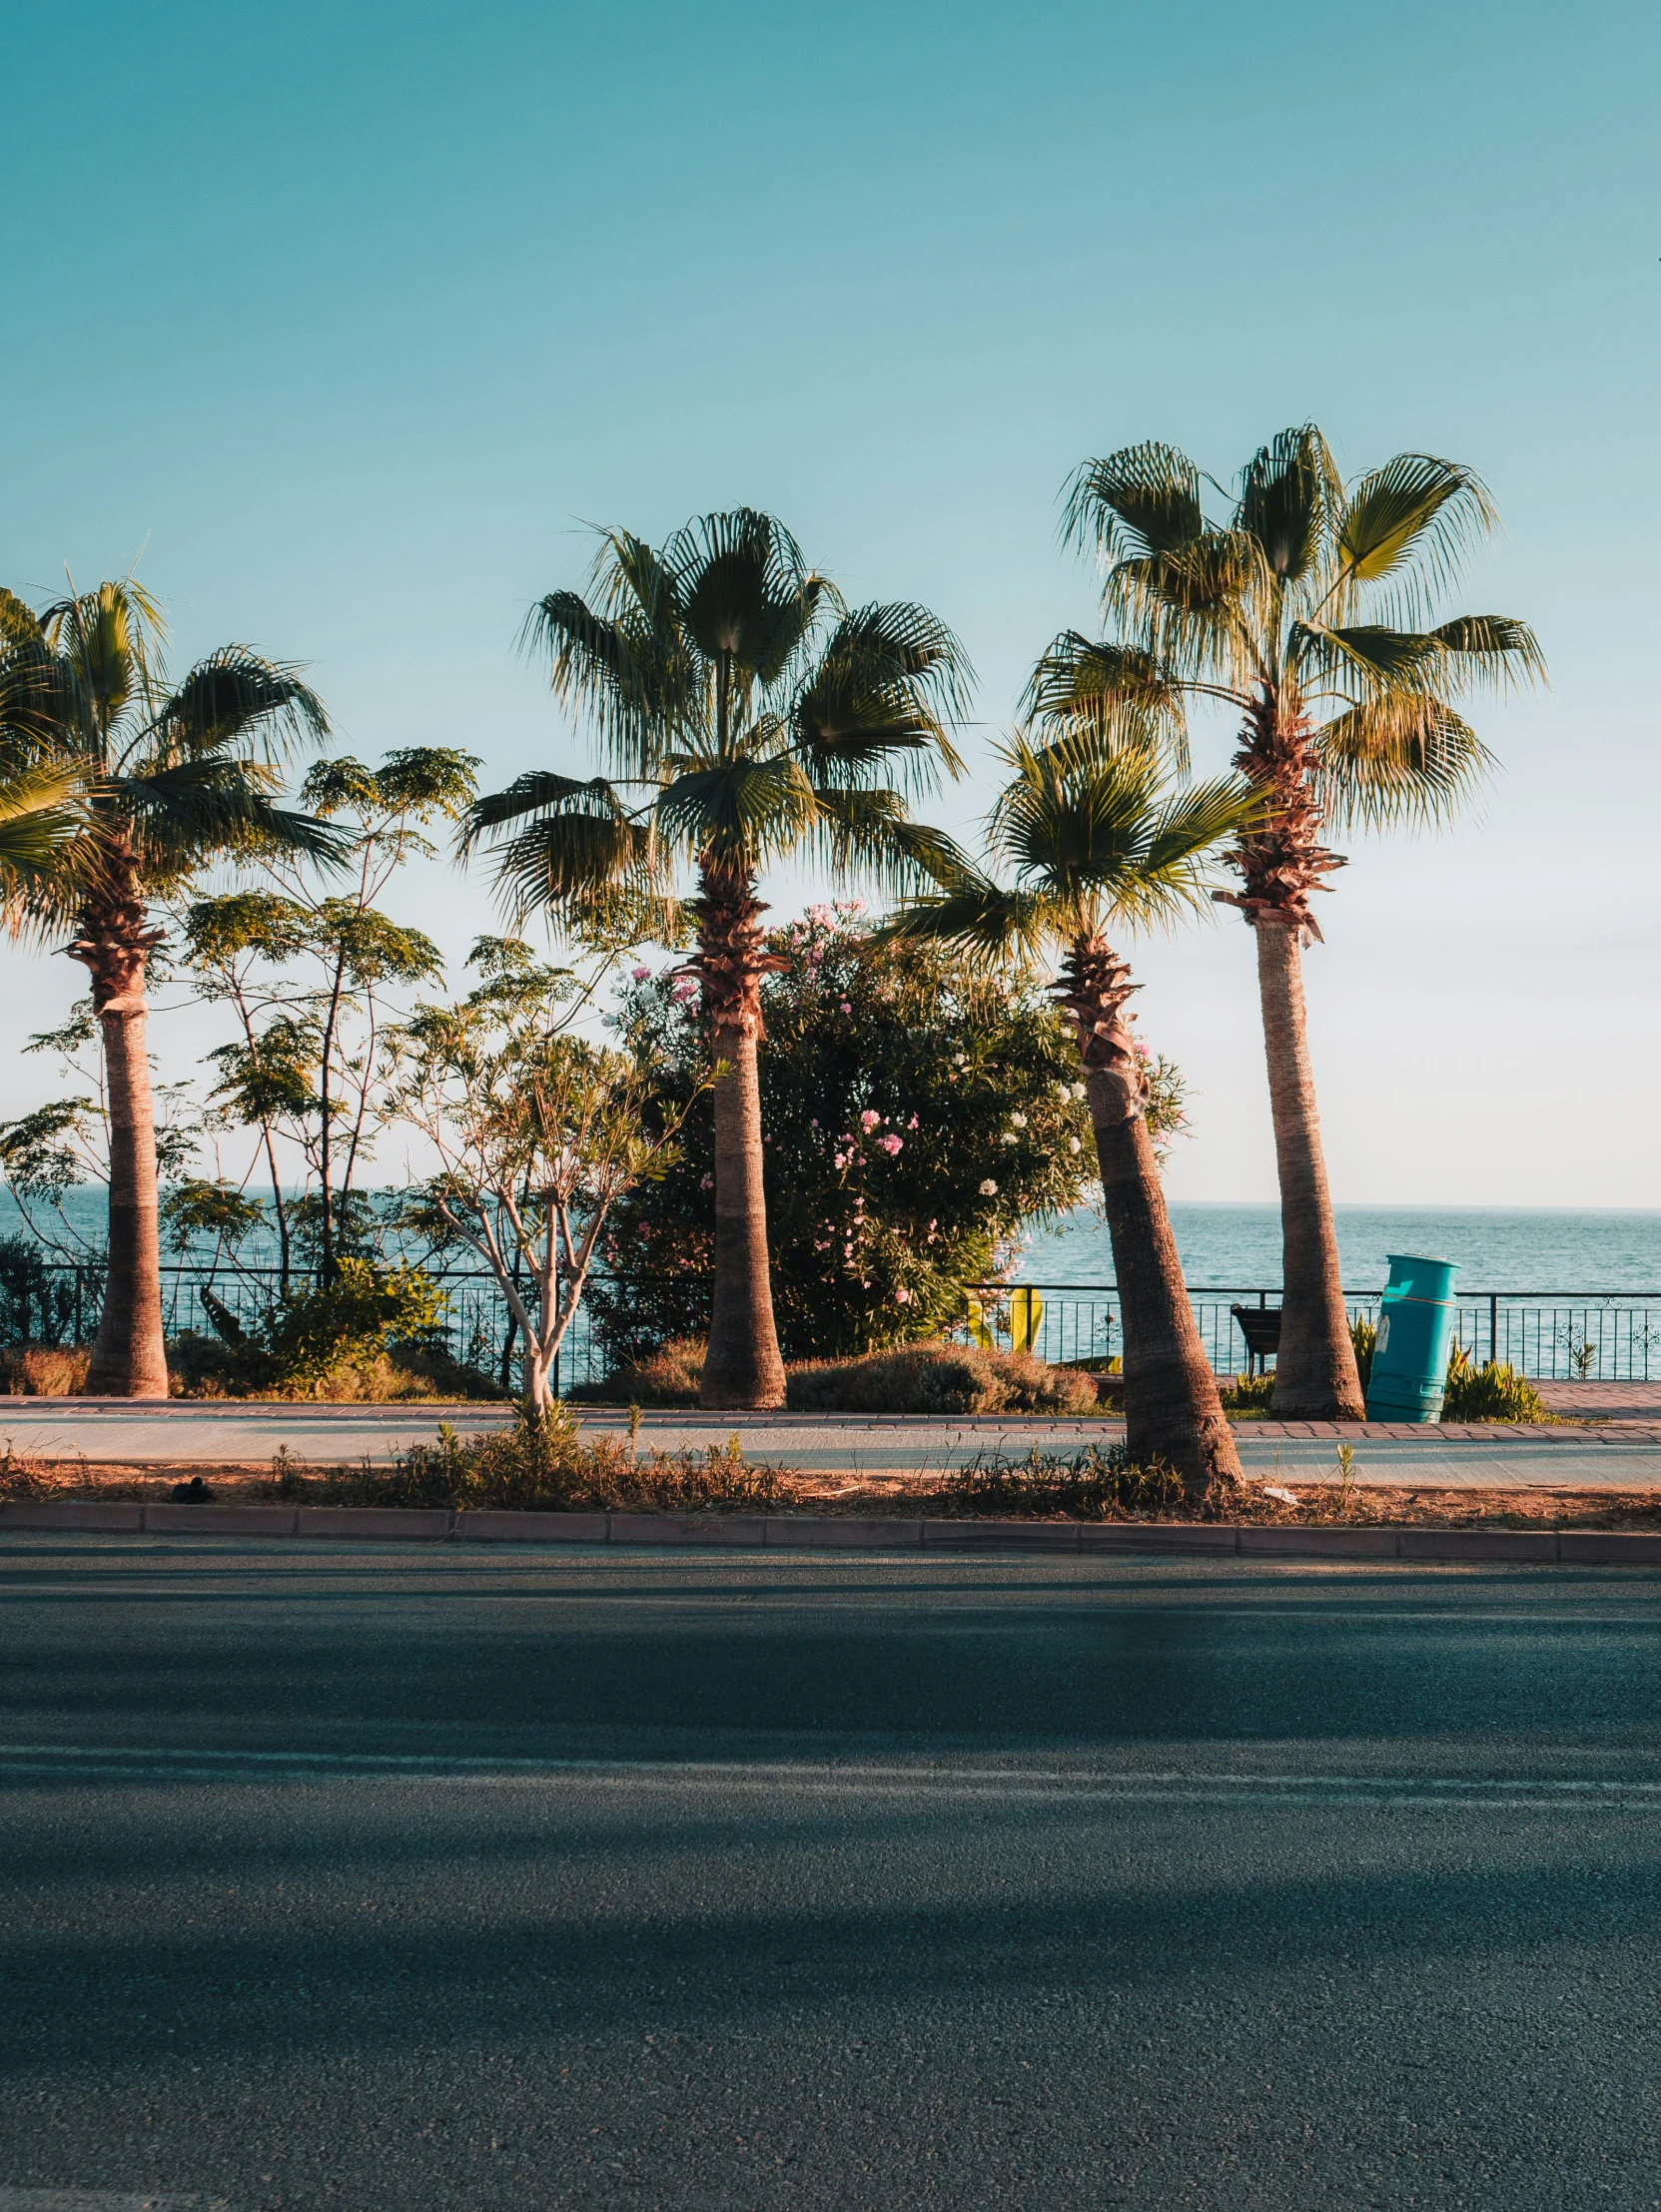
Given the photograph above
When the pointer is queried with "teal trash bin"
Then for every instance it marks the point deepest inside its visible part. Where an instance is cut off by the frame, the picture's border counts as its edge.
(1416, 1329)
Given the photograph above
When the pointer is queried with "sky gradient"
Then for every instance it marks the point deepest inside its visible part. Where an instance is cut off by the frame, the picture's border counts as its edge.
(353, 320)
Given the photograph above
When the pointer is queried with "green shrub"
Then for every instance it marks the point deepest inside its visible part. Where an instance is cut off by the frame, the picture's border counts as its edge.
(349, 1321)
(1489, 1392)
(1092, 1485)
(206, 1367)
(1250, 1394)
(543, 1464)
(1363, 1334)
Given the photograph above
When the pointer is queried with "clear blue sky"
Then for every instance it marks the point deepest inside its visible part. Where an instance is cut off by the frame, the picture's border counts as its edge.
(357, 315)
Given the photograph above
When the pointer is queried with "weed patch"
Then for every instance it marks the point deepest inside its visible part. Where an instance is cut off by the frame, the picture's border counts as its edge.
(543, 1464)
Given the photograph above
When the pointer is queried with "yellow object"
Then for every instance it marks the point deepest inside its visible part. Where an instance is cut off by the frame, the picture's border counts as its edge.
(1026, 1315)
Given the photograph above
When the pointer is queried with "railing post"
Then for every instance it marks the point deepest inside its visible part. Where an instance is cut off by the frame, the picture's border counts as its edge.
(1494, 1329)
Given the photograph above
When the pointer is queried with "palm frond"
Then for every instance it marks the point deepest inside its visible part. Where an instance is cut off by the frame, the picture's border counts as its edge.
(19, 624)
(634, 682)
(887, 680)
(1143, 499)
(1397, 760)
(988, 923)
(231, 698)
(1491, 649)
(1289, 495)
(187, 815)
(745, 592)
(112, 639)
(741, 812)
(1418, 512)
(1200, 610)
(536, 794)
(574, 862)
(1367, 657)
(1122, 693)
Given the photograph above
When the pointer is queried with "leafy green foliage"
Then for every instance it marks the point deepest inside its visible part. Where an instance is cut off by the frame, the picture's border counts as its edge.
(351, 1321)
(918, 1118)
(1489, 1392)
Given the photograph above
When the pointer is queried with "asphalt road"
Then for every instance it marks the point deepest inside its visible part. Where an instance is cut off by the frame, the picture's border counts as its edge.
(343, 1878)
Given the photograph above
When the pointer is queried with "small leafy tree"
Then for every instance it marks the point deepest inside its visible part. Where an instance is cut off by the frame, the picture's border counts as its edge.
(918, 1118)
(305, 974)
(539, 1134)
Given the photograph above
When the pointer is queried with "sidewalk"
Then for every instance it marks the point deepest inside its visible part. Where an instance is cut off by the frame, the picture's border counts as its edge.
(1622, 1452)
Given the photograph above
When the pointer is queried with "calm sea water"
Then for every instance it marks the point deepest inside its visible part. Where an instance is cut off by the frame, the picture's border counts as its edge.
(1239, 1246)
(1526, 1248)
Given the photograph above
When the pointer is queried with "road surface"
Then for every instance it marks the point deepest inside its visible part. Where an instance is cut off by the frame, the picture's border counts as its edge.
(338, 1876)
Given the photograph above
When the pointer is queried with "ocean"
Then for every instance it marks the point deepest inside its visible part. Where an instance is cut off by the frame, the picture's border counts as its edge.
(1238, 1247)
(1539, 1248)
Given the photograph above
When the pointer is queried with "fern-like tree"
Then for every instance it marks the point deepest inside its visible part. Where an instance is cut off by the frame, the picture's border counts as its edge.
(1310, 607)
(176, 779)
(748, 715)
(1097, 841)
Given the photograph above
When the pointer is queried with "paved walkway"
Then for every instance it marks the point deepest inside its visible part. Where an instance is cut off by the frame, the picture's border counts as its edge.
(1616, 1454)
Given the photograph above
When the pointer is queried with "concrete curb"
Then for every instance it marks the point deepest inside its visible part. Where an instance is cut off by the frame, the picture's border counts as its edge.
(825, 1532)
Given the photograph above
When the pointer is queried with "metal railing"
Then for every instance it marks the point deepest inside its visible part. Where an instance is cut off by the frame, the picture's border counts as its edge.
(1559, 1335)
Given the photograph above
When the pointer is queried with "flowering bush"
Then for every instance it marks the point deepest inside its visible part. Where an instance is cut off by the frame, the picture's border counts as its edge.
(916, 1119)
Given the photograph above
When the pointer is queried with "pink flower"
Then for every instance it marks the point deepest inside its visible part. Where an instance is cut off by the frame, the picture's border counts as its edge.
(639, 973)
(707, 1183)
(846, 1007)
(841, 1159)
(912, 1123)
(686, 989)
(902, 1297)
(823, 915)
(869, 1119)
(890, 1144)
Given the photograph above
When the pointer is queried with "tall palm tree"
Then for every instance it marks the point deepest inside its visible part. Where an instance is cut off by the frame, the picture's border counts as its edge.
(1308, 607)
(748, 713)
(1099, 841)
(175, 779)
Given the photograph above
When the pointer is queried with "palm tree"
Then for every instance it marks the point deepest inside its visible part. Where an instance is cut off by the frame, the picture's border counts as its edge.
(749, 713)
(174, 780)
(1308, 609)
(1097, 840)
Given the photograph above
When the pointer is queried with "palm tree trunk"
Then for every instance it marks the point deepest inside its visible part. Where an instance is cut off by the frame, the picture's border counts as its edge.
(128, 1356)
(742, 1370)
(1172, 1408)
(1314, 1370)
(742, 1367)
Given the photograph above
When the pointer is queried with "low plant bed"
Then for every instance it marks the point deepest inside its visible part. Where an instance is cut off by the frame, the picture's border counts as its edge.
(912, 1378)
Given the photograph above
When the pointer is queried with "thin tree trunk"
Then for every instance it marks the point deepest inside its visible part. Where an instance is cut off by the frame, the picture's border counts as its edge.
(742, 1368)
(1172, 1408)
(129, 1359)
(1314, 1372)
